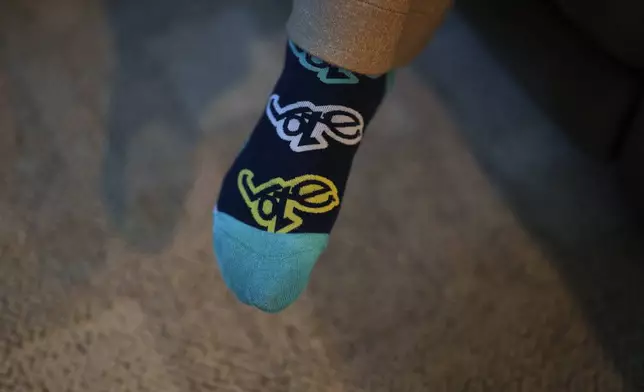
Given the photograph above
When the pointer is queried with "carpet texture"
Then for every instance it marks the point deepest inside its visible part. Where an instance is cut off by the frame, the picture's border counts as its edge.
(510, 265)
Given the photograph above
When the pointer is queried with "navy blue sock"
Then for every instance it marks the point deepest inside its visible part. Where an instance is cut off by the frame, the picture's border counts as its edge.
(282, 195)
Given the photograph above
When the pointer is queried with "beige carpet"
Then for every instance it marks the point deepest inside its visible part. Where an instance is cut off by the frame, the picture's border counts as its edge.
(117, 122)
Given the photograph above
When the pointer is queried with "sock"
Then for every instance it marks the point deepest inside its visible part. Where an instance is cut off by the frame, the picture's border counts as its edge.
(282, 195)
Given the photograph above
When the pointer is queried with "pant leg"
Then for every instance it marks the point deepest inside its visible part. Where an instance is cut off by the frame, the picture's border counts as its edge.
(365, 36)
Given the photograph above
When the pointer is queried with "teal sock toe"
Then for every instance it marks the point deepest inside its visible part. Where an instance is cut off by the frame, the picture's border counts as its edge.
(265, 270)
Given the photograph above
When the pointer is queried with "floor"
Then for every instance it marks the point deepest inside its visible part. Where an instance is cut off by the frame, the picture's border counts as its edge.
(477, 249)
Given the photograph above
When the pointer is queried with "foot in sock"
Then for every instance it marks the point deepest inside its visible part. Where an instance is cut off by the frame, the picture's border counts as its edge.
(282, 195)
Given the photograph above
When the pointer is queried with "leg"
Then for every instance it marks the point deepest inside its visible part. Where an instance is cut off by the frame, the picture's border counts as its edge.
(280, 199)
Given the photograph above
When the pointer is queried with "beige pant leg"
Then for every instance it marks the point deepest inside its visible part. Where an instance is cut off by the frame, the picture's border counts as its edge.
(365, 36)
